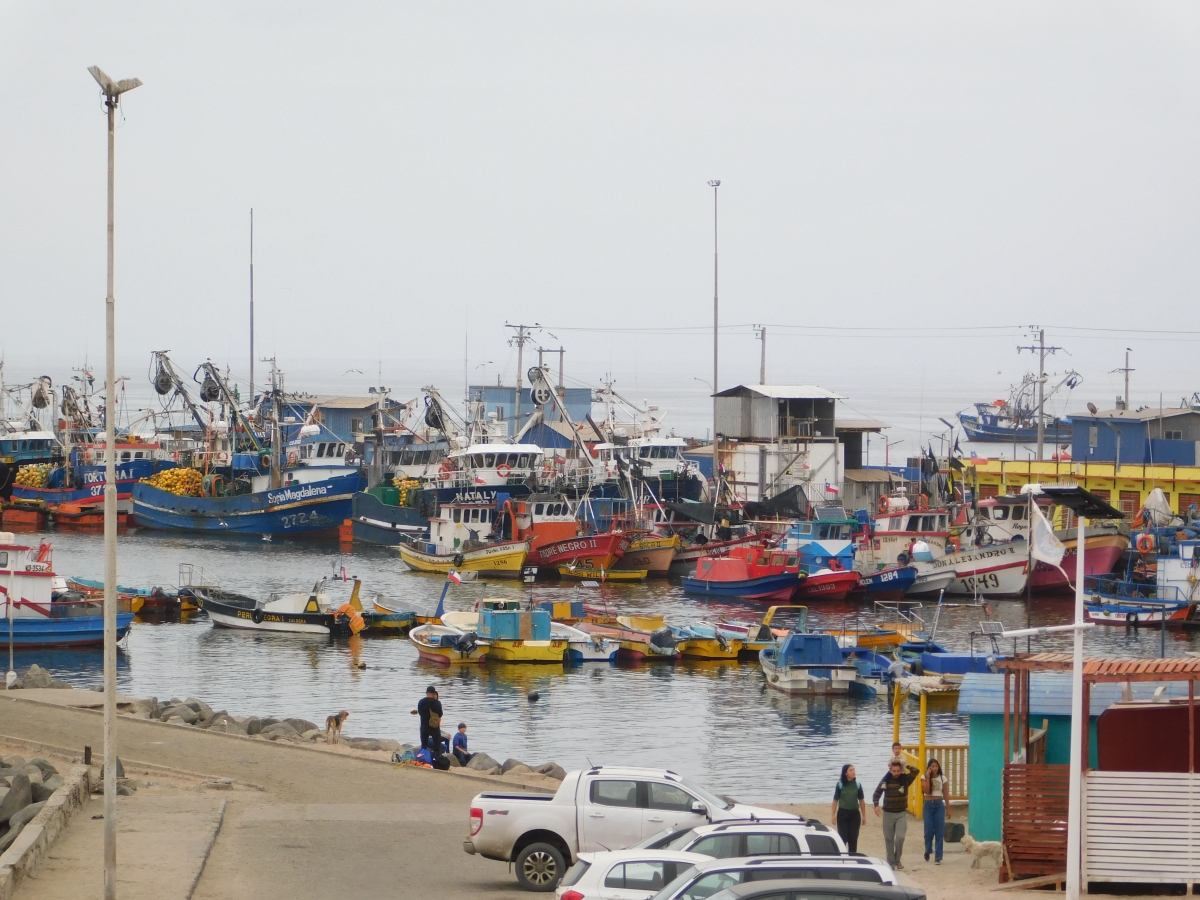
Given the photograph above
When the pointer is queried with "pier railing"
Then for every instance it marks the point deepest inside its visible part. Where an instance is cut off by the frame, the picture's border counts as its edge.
(955, 769)
(1110, 587)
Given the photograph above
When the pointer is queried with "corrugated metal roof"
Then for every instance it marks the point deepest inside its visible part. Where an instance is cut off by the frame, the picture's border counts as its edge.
(1050, 694)
(860, 425)
(1145, 414)
(782, 392)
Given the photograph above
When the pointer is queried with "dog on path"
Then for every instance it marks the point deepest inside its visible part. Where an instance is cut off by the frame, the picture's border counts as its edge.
(981, 850)
(333, 726)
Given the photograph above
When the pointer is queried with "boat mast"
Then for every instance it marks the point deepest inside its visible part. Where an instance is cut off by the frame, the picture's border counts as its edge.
(251, 398)
(716, 321)
(276, 445)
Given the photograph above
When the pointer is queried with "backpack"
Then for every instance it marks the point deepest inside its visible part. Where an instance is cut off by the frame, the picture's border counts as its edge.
(440, 762)
(424, 756)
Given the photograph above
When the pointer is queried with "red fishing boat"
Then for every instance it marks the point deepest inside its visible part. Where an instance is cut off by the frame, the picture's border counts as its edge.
(747, 573)
(828, 584)
(589, 551)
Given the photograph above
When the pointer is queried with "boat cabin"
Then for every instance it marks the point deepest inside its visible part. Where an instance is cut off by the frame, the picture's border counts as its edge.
(29, 574)
(654, 457)
(744, 563)
(27, 447)
(544, 519)
(490, 465)
(457, 524)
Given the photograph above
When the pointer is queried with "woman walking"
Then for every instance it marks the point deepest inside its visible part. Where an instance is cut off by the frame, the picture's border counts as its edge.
(849, 808)
(937, 808)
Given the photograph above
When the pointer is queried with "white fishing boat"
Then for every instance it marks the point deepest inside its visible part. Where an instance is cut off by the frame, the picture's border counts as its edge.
(994, 570)
(583, 647)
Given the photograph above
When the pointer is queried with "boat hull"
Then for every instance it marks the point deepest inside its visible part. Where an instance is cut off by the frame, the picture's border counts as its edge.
(686, 558)
(552, 651)
(1059, 433)
(828, 586)
(655, 555)
(427, 640)
(500, 560)
(932, 582)
(887, 584)
(780, 587)
(1101, 555)
(307, 509)
(603, 574)
(710, 648)
(997, 570)
(64, 631)
(815, 679)
(375, 522)
(597, 551)
(229, 615)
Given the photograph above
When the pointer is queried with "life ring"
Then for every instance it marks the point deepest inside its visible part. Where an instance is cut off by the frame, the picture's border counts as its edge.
(458, 560)
(292, 458)
(265, 461)
(547, 471)
(835, 564)
(923, 502)
(444, 472)
(884, 506)
(504, 470)
(256, 616)
(1145, 543)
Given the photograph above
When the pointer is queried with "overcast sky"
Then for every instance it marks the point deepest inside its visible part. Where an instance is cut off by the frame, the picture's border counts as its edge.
(944, 173)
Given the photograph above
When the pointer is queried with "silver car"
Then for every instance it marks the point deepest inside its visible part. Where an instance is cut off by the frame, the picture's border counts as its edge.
(752, 837)
(703, 880)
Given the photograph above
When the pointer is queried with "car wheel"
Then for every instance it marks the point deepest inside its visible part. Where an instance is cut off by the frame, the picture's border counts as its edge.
(540, 867)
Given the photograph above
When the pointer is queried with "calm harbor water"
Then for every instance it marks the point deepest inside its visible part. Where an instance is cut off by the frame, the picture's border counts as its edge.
(716, 722)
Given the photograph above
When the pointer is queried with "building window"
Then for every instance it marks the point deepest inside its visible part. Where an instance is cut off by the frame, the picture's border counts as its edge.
(1094, 436)
(356, 426)
(1173, 435)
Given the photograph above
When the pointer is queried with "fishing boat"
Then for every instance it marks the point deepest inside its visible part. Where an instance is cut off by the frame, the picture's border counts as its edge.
(641, 638)
(805, 663)
(603, 575)
(155, 599)
(1016, 419)
(703, 641)
(886, 584)
(462, 538)
(513, 634)
(38, 616)
(763, 633)
(992, 570)
(592, 551)
(1165, 591)
(583, 647)
(747, 573)
(689, 555)
(827, 584)
(75, 487)
(446, 646)
(301, 612)
(826, 550)
(651, 553)
(389, 513)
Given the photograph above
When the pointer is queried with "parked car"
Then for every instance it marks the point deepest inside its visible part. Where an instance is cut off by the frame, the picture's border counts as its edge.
(603, 808)
(815, 889)
(703, 880)
(624, 874)
(755, 837)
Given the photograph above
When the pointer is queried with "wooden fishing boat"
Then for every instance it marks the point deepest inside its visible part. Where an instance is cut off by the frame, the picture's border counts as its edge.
(592, 551)
(583, 647)
(512, 634)
(501, 560)
(394, 614)
(688, 555)
(582, 574)
(828, 584)
(747, 573)
(155, 599)
(654, 554)
(301, 612)
(757, 635)
(447, 646)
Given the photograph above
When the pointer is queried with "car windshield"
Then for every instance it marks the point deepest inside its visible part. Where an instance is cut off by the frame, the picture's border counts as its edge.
(711, 799)
(680, 880)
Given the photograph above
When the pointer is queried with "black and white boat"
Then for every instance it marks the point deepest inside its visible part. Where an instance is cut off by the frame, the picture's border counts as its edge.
(303, 612)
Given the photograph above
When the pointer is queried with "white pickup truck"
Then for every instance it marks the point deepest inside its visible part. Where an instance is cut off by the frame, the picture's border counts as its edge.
(603, 808)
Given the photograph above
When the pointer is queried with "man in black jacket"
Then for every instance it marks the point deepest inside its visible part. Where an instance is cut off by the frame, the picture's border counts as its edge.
(429, 709)
(894, 791)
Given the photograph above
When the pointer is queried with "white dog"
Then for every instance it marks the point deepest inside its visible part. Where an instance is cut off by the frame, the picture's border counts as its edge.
(983, 849)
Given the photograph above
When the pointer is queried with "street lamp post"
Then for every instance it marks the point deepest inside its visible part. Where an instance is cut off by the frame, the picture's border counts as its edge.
(716, 321)
(112, 94)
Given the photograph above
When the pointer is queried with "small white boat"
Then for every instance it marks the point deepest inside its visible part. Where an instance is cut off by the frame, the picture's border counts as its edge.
(583, 647)
(446, 645)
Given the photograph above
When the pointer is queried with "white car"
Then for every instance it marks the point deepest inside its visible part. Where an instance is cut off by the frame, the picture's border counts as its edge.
(704, 879)
(753, 837)
(624, 874)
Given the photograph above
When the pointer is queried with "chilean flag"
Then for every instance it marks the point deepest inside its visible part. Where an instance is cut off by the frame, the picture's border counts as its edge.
(454, 577)
(830, 489)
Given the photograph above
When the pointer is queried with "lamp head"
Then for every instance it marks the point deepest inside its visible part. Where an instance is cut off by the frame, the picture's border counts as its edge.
(715, 183)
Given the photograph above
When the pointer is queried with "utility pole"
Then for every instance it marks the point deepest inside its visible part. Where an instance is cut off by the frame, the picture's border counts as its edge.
(1041, 350)
(1126, 370)
(760, 332)
(112, 94)
(714, 184)
(524, 334)
(252, 306)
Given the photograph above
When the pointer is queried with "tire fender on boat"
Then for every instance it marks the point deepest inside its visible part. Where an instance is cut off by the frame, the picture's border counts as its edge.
(256, 616)
(458, 560)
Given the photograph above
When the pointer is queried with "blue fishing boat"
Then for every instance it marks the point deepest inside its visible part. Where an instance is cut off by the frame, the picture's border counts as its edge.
(886, 584)
(1016, 419)
(82, 481)
(38, 615)
(747, 573)
(808, 663)
(388, 515)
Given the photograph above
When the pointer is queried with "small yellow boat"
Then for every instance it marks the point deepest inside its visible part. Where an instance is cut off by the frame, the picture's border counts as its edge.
(604, 574)
(500, 560)
(524, 625)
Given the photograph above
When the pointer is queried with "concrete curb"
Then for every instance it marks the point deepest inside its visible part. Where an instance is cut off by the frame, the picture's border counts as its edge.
(212, 840)
(34, 842)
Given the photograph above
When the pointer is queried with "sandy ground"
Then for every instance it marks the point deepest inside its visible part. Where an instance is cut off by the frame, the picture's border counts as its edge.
(301, 822)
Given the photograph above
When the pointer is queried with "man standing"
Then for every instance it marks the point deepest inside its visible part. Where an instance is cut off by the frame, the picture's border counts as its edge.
(893, 788)
(429, 709)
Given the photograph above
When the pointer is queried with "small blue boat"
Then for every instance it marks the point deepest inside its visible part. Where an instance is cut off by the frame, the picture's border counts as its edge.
(811, 663)
(887, 584)
(61, 631)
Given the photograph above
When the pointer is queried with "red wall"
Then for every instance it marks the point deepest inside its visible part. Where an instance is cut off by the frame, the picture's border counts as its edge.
(1146, 738)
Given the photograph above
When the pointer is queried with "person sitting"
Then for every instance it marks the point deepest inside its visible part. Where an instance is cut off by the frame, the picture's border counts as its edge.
(460, 745)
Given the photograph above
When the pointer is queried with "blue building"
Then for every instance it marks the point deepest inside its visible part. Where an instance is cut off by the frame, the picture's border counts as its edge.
(501, 401)
(1137, 437)
(347, 417)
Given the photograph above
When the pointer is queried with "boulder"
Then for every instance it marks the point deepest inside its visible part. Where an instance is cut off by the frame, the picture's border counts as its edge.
(60, 684)
(26, 814)
(494, 770)
(552, 770)
(518, 769)
(125, 789)
(253, 725)
(510, 764)
(281, 728)
(481, 762)
(36, 677)
(201, 708)
(388, 744)
(46, 790)
(44, 765)
(301, 725)
(9, 837)
(14, 762)
(267, 720)
(18, 796)
(145, 709)
(227, 726)
(361, 743)
(177, 720)
(310, 735)
(453, 760)
(34, 773)
(186, 713)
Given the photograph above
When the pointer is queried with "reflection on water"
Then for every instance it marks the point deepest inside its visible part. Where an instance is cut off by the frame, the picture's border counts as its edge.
(714, 721)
